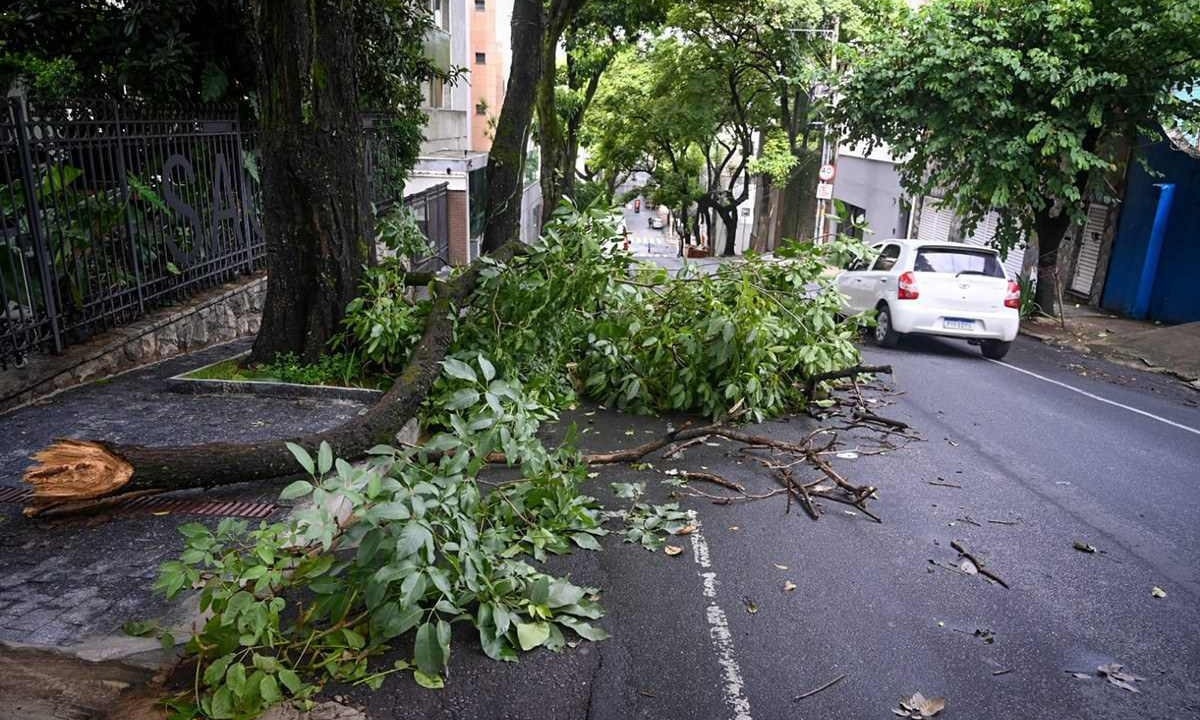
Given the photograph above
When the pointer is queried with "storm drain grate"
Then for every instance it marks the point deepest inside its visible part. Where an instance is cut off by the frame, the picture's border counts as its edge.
(157, 504)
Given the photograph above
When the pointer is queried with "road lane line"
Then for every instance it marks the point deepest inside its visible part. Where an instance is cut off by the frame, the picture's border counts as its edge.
(1085, 393)
(734, 688)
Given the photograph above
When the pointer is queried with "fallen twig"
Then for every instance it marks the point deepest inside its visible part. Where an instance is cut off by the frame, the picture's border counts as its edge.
(945, 484)
(848, 372)
(978, 564)
(826, 686)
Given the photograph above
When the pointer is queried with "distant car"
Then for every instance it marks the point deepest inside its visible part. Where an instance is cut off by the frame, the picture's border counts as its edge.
(656, 222)
(930, 288)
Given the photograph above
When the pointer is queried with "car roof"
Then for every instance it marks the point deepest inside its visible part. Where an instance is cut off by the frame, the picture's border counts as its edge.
(918, 243)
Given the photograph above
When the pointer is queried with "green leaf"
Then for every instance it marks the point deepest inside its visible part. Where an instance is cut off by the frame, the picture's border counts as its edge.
(489, 370)
(426, 680)
(585, 541)
(324, 458)
(302, 457)
(221, 705)
(412, 538)
(531, 635)
(269, 689)
(214, 672)
(427, 651)
(300, 488)
(290, 680)
(459, 369)
(462, 399)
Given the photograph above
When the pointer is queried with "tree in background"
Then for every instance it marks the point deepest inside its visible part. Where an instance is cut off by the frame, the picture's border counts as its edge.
(1015, 107)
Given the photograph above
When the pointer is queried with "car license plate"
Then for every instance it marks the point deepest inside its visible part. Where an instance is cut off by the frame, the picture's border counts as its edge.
(958, 324)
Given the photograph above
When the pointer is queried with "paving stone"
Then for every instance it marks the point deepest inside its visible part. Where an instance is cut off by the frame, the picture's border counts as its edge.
(33, 620)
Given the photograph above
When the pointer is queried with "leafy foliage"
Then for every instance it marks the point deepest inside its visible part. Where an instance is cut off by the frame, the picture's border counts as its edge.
(400, 548)
(1008, 106)
(406, 542)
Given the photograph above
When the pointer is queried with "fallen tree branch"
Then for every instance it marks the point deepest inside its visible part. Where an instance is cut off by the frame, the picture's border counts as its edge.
(849, 372)
(73, 470)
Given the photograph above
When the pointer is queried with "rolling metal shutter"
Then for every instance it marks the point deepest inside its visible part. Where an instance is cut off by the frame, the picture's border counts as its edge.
(935, 222)
(1089, 249)
(1014, 262)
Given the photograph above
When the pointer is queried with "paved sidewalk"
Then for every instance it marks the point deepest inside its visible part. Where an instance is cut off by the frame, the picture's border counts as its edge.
(1170, 349)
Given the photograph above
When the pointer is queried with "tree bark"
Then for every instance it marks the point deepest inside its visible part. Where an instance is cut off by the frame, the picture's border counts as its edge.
(506, 160)
(72, 470)
(315, 211)
(555, 177)
(1050, 230)
(799, 200)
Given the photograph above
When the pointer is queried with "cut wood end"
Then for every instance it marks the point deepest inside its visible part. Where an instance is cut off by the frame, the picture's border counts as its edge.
(76, 470)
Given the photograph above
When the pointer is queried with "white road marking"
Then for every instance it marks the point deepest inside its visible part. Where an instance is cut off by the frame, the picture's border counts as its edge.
(734, 688)
(1085, 393)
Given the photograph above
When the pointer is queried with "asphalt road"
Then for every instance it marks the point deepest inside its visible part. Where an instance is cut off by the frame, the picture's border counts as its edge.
(1053, 465)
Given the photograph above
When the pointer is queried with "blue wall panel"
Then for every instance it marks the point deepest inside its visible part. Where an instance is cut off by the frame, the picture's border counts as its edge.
(1176, 294)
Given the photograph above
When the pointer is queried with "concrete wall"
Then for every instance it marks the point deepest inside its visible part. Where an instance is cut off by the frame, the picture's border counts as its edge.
(490, 36)
(217, 316)
(873, 185)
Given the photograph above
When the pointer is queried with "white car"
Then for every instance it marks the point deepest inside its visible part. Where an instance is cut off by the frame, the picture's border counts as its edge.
(935, 288)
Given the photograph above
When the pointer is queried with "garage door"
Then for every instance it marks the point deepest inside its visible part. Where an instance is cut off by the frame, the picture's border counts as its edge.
(1089, 249)
(935, 222)
(986, 232)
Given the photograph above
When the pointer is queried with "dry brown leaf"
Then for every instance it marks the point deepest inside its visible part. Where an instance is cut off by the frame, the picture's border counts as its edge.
(686, 530)
(672, 550)
(918, 706)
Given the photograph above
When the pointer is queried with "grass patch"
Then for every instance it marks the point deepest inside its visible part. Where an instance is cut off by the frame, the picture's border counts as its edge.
(337, 370)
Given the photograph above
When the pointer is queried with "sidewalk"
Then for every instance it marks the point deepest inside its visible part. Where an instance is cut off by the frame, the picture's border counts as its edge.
(1170, 349)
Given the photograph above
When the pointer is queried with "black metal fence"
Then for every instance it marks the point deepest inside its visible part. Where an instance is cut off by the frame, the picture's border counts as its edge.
(432, 212)
(107, 211)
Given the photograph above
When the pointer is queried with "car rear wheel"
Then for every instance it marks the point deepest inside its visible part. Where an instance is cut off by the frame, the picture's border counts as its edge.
(885, 334)
(994, 349)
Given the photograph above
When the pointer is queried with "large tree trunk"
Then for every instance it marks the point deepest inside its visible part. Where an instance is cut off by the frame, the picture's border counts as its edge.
(71, 471)
(506, 160)
(729, 218)
(556, 179)
(799, 199)
(315, 211)
(1050, 230)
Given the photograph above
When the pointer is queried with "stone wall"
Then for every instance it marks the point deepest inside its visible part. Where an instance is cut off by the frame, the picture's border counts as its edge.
(216, 316)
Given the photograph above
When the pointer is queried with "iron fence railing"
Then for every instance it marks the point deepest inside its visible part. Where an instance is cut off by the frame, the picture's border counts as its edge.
(107, 211)
(431, 210)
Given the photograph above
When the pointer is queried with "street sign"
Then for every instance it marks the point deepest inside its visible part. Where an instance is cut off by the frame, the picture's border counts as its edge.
(826, 172)
(824, 191)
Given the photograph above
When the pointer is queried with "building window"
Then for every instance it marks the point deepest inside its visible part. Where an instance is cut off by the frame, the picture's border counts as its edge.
(480, 58)
(481, 107)
(437, 93)
(440, 9)
(481, 5)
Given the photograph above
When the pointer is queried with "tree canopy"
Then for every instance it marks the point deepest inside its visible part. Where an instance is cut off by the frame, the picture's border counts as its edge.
(1014, 106)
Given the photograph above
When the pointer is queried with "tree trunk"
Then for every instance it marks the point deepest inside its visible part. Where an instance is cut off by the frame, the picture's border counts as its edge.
(550, 132)
(315, 211)
(760, 237)
(1050, 230)
(799, 200)
(729, 218)
(506, 159)
(72, 471)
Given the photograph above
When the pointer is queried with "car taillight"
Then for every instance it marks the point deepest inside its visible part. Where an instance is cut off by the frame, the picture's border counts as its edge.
(907, 287)
(1013, 298)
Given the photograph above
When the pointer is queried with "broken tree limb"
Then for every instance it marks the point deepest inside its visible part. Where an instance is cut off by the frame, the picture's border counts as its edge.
(76, 470)
(847, 373)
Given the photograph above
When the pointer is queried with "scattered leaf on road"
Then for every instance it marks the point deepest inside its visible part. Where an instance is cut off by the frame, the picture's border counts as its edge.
(672, 549)
(751, 606)
(968, 567)
(848, 455)
(780, 567)
(918, 707)
(1084, 547)
(1158, 592)
(1116, 675)
(686, 530)
(789, 586)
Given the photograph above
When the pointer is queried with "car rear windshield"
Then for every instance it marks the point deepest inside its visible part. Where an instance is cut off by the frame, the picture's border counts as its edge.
(958, 262)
